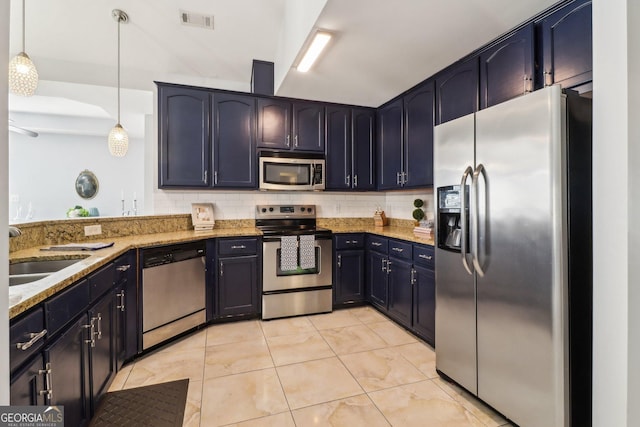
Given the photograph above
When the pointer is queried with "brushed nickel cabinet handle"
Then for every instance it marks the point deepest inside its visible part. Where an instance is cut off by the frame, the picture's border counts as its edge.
(33, 338)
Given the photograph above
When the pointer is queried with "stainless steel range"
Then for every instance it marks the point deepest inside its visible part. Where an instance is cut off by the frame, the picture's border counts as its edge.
(296, 265)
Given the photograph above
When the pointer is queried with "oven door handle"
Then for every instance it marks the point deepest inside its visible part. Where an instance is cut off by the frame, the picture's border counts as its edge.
(277, 238)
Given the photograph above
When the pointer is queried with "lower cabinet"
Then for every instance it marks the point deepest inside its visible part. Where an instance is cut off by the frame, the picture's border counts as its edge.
(126, 308)
(348, 271)
(102, 366)
(27, 385)
(237, 277)
(401, 282)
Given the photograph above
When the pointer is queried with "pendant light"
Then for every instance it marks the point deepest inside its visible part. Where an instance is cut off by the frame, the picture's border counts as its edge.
(118, 138)
(23, 76)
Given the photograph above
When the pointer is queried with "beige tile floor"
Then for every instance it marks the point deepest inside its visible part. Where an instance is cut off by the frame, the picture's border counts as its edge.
(347, 368)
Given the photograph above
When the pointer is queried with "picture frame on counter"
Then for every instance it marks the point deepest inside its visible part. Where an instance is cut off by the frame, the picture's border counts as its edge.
(202, 216)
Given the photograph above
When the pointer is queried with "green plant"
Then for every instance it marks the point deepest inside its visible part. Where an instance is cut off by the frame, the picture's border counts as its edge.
(418, 203)
(418, 214)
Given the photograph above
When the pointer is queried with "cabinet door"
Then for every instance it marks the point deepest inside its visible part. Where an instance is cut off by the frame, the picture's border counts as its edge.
(274, 124)
(67, 358)
(308, 126)
(27, 384)
(234, 141)
(120, 325)
(424, 303)
(238, 286)
(418, 136)
(338, 160)
(400, 290)
(363, 149)
(349, 276)
(506, 70)
(457, 91)
(390, 145)
(185, 137)
(101, 349)
(567, 46)
(377, 277)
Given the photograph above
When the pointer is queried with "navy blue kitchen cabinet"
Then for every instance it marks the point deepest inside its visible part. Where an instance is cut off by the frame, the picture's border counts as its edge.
(567, 46)
(405, 140)
(389, 145)
(507, 68)
(184, 137)
(101, 348)
(399, 270)
(424, 293)
(457, 90)
(363, 148)
(349, 271)
(350, 147)
(126, 303)
(283, 125)
(237, 288)
(377, 276)
(67, 364)
(419, 115)
(234, 141)
(27, 383)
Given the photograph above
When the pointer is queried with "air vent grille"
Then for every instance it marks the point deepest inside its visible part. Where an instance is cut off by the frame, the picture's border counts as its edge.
(196, 19)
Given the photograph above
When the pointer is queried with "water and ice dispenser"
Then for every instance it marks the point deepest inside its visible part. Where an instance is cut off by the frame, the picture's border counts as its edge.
(449, 234)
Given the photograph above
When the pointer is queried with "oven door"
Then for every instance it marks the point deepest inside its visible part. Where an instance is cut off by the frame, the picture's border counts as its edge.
(275, 279)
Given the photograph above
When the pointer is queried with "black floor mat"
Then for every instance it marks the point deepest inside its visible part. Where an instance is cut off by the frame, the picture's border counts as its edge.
(158, 405)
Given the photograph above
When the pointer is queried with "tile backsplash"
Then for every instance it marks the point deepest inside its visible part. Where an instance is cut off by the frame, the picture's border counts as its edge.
(241, 204)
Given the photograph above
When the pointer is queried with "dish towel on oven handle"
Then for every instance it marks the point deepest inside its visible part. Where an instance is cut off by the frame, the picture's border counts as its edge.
(307, 251)
(288, 253)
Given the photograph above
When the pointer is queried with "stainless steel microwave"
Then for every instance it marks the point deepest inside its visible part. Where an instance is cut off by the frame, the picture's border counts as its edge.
(291, 171)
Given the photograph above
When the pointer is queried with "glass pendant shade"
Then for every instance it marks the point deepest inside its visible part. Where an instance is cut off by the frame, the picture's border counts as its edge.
(23, 76)
(118, 141)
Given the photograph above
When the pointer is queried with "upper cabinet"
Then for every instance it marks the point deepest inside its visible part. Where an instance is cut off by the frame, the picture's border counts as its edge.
(184, 116)
(283, 125)
(405, 140)
(350, 148)
(567, 46)
(506, 69)
(200, 128)
(457, 90)
(234, 141)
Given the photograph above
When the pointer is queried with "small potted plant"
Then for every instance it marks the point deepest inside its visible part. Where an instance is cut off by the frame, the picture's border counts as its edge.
(418, 213)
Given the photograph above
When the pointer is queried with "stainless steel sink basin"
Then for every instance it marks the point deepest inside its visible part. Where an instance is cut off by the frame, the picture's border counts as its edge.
(30, 271)
(40, 267)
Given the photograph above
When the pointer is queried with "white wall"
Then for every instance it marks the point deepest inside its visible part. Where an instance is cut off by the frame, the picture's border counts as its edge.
(241, 204)
(43, 172)
(4, 194)
(616, 89)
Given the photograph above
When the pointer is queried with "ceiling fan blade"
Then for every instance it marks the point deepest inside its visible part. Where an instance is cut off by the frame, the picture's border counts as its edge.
(23, 131)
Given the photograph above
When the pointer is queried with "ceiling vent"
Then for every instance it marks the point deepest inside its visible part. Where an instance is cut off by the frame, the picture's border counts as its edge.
(196, 19)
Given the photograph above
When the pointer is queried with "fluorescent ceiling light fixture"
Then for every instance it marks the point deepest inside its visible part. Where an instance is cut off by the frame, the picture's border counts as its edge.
(320, 40)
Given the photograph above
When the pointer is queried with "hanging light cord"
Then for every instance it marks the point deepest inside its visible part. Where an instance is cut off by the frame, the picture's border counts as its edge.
(119, 20)
(24, 20)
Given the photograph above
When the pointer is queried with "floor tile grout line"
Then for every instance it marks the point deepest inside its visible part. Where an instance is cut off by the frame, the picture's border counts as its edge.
(460, 403)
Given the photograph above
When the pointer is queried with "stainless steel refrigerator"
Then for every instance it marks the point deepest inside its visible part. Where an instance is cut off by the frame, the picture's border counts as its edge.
(514, 258)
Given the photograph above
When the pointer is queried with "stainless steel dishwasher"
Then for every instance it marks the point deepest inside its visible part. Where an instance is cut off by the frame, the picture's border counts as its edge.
(173, 291)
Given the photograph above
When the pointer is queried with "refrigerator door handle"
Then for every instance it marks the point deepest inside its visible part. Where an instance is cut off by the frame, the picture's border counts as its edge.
(463, 219)
(475, 218)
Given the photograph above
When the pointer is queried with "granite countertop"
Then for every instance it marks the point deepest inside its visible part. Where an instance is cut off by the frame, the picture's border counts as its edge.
(25, 296)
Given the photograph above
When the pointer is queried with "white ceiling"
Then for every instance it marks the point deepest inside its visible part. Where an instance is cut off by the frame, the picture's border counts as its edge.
(381, 47)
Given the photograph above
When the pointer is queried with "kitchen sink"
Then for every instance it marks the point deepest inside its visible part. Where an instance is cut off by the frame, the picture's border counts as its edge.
(40, 267)
(30, 271)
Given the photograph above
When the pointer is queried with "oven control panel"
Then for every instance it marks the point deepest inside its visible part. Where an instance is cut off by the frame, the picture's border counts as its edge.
(285, 211)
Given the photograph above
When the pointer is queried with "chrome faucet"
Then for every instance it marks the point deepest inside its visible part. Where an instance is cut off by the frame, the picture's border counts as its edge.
(14, 231)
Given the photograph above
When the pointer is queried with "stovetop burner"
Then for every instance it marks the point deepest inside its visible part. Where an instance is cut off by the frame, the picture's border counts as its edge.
(288, 220)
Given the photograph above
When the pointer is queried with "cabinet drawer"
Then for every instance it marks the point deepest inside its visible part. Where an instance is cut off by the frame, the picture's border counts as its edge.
(26, 337)
(101, 282)
(65, 306)
(349, 241)
(399, 249)
(124, 266)
(424, 255)
(377, 243)
(238, 246)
